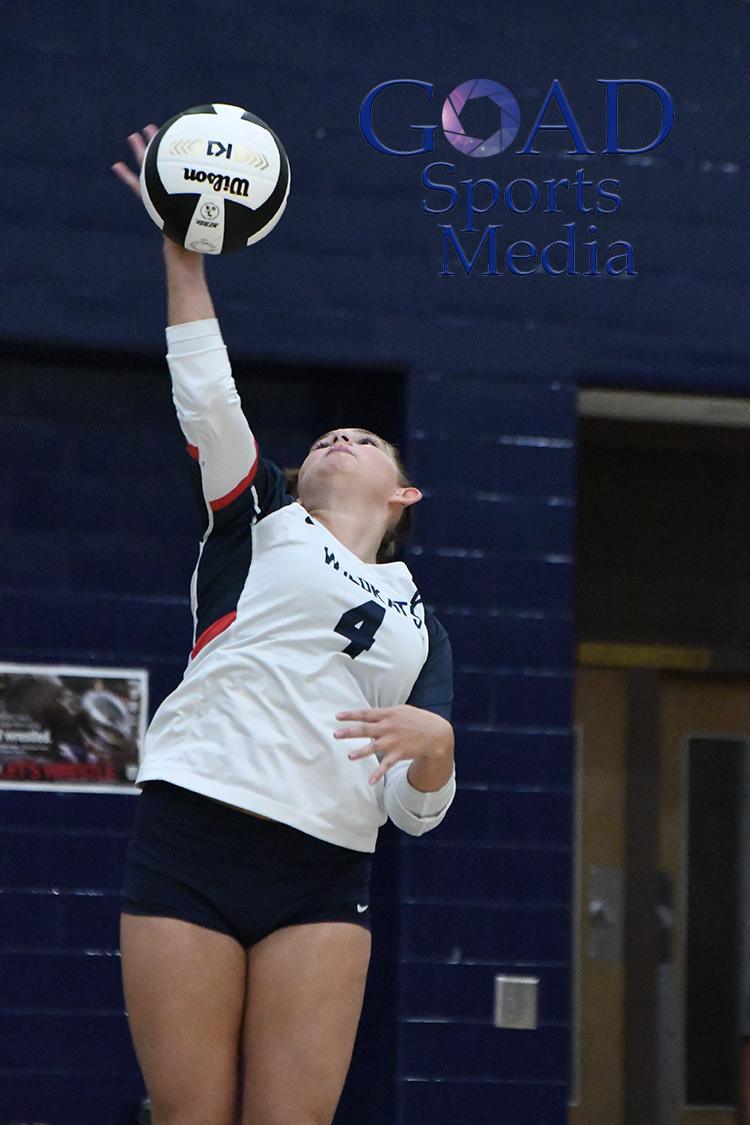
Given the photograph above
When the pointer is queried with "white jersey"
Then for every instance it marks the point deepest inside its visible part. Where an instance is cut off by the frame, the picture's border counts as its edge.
(290, 626)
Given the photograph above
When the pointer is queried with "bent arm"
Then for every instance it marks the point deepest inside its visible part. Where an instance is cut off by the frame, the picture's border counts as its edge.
(418, 794)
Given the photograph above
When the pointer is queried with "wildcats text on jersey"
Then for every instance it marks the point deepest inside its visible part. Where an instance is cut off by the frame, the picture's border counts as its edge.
(391, 603)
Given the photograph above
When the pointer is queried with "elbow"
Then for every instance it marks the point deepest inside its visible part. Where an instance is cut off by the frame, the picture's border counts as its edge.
(420, 828)
(415, 824)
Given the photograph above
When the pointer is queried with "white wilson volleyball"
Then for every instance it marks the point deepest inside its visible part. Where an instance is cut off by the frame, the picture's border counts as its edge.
(215, 178)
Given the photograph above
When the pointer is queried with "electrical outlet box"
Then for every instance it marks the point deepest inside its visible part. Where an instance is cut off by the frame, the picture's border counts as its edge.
(516, 1002)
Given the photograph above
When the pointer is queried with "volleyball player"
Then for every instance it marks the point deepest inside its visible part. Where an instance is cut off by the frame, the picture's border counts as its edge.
(315, 704)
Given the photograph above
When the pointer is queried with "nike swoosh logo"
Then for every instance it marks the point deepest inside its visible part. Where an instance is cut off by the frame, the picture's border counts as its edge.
(361, 909)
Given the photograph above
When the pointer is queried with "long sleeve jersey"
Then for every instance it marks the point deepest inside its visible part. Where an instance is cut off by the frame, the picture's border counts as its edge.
(290, 626)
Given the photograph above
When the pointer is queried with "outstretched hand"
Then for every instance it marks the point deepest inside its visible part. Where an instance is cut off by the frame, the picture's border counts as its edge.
(138, 143)
(176, 256)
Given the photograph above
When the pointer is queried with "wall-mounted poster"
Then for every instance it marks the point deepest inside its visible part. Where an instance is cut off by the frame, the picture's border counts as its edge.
(67, 727)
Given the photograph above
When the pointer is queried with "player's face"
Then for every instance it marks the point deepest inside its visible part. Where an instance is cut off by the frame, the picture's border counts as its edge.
(360, 456)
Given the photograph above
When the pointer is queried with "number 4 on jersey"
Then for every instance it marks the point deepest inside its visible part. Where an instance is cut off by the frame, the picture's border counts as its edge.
(359, 625)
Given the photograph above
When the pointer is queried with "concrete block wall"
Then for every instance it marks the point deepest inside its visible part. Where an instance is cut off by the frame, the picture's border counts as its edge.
(489, 892)
(99, 531)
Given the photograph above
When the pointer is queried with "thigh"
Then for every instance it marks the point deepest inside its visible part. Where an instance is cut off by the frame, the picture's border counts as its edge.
(184, 993)
(305, 987)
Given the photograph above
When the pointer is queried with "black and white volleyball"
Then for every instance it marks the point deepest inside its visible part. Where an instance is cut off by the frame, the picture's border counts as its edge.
(215, 178)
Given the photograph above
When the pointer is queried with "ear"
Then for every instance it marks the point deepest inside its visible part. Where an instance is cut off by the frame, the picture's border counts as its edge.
(406, 496)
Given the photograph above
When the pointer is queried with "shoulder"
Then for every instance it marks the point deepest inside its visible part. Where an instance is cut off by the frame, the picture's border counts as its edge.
(436, 631)
(433, 689)
(440, 654)
(271, 487)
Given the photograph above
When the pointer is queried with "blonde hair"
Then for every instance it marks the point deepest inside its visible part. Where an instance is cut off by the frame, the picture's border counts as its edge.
(400, 530)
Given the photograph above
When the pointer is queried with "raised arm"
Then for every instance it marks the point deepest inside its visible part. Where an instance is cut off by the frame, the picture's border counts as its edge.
(238, 484)
(188, 296)
(203, 390)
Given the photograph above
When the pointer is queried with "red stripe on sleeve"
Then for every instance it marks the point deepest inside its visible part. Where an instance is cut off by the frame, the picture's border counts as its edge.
(223, 501)
(213, 631)
(193, 451)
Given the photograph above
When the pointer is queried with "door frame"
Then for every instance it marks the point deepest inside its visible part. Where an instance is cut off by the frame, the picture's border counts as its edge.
(657, 658)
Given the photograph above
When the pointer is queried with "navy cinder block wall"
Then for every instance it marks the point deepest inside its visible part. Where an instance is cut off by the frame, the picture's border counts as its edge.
(490, 891)
(95, 560)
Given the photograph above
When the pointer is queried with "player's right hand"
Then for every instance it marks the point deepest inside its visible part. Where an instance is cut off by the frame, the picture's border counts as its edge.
(138, 143)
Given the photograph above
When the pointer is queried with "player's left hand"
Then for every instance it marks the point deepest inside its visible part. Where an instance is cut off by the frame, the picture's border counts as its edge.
(396, 733)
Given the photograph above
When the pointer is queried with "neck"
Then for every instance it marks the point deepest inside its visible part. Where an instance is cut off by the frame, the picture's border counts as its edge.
(356, 530)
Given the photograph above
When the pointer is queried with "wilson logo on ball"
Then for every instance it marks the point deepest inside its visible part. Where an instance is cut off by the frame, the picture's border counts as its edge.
(233, 185)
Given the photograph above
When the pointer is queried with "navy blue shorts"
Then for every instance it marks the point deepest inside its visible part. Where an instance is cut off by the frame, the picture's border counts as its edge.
(194, 858)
